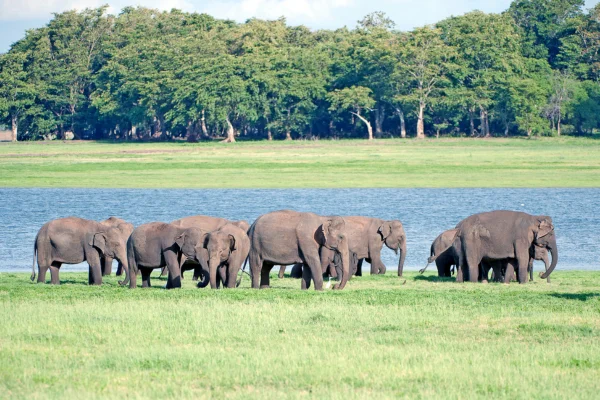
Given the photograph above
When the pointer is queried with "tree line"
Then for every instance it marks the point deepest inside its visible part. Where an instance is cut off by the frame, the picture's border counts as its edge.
(147, 74)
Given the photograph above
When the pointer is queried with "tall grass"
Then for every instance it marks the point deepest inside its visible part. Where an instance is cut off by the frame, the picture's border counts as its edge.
(382, 337)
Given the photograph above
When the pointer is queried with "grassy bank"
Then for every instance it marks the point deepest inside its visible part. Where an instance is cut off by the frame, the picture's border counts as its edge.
(380, 338)
(556, 162)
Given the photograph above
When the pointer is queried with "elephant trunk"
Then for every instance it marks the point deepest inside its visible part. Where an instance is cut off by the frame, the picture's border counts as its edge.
(402, 258)
(213, 265)
(554, 253)
(343, 249)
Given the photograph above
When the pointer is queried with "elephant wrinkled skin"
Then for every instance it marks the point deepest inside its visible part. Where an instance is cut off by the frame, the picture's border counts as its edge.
(290, 237)
(156, 245)
(226, 249)
(74, 240)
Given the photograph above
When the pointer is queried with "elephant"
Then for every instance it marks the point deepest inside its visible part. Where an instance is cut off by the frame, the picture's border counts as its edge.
(74, 240)
(158, 244)
(506, 267)
(446, 258)
(207, 224)
(125, 228)
(226, 249)
(502, 235)
(289, 237)
(366, 237)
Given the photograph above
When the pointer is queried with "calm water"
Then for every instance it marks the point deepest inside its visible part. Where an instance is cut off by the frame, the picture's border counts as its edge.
(424, 213)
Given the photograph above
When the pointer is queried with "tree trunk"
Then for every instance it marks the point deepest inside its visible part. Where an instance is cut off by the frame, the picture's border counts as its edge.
(482, 122)
(379, 117)
(134, 132)
(230, 132)
(366, 121)
(269, 134)
(471, 122)
(487, 125)
(558, 125)
(203, 125)
(402, 124)
(506, 129)
(288, 133)
(420, 122)
(14, 127)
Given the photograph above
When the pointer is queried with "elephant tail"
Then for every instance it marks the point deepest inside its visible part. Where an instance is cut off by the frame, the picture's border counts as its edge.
(239, 281)
(34, 258)
(433, 257)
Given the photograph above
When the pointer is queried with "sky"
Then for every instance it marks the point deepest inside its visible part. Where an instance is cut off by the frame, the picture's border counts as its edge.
(16, 16)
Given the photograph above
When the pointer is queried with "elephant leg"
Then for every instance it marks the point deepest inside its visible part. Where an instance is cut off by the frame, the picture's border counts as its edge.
(95, 274)
(460, 268)
(473, 262)
(377, 266)
(42, 269)
(522, 264)
(530, 269)
(146, 272)
(282, 271)
(119, 269)
(174, 278)
(54, 270)
(306, 277)
(265, 275)
(106, 263)
(314, 263)
(509, 272)
(255, 268)
(359, 267)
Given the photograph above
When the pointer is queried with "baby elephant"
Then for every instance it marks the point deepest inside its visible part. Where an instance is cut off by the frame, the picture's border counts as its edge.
(226, 250)
(74, 240)
(156, 245)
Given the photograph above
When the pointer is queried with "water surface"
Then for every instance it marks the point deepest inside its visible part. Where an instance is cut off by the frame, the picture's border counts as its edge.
(424, 212)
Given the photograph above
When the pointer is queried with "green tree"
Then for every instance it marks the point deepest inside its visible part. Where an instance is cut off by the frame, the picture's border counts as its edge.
(17, 93)
(356, 99)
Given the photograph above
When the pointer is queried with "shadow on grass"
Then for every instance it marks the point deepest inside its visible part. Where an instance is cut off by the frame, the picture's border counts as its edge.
(432, 278)
(576, 296)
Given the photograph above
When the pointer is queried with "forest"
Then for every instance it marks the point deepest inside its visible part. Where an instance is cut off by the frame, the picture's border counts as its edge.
(144, 74)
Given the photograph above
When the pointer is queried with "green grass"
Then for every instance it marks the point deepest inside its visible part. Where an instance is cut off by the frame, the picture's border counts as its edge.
(550, 162)
(379, 338)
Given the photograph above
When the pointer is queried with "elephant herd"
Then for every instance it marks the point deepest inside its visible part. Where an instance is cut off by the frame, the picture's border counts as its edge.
(317, 246)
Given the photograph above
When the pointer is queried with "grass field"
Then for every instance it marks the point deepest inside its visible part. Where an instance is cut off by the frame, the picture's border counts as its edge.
(550, 162)
(379, 338)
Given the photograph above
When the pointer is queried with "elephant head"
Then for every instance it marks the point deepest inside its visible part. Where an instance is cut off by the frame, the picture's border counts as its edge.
(441, 244)
(392, 233)
(190, 243)
(220, 246)
(544, 236)
(111, 245)
(332, 235)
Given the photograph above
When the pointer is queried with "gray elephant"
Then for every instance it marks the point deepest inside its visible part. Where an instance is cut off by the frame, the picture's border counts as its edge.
(158, 244)
(446, 258)
(207, 224)
(507, 267)
(74, 240)
(291, 237)
(125, 228)
(502, 235)
(226, 250)
(366, 237)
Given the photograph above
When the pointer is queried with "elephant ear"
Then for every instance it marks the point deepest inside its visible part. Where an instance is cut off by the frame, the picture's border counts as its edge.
(231, 242)
(179, 240)
(385, 230)
(544, 228)
(98, 241)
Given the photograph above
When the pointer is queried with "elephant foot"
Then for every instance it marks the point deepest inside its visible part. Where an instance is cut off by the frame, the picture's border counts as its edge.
(265, 286)
(485, 282)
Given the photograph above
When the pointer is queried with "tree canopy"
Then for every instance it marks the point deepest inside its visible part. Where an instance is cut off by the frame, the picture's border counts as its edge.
(147, 74)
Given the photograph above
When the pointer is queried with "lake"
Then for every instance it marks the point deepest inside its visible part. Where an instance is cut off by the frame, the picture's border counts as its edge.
(424, 212)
